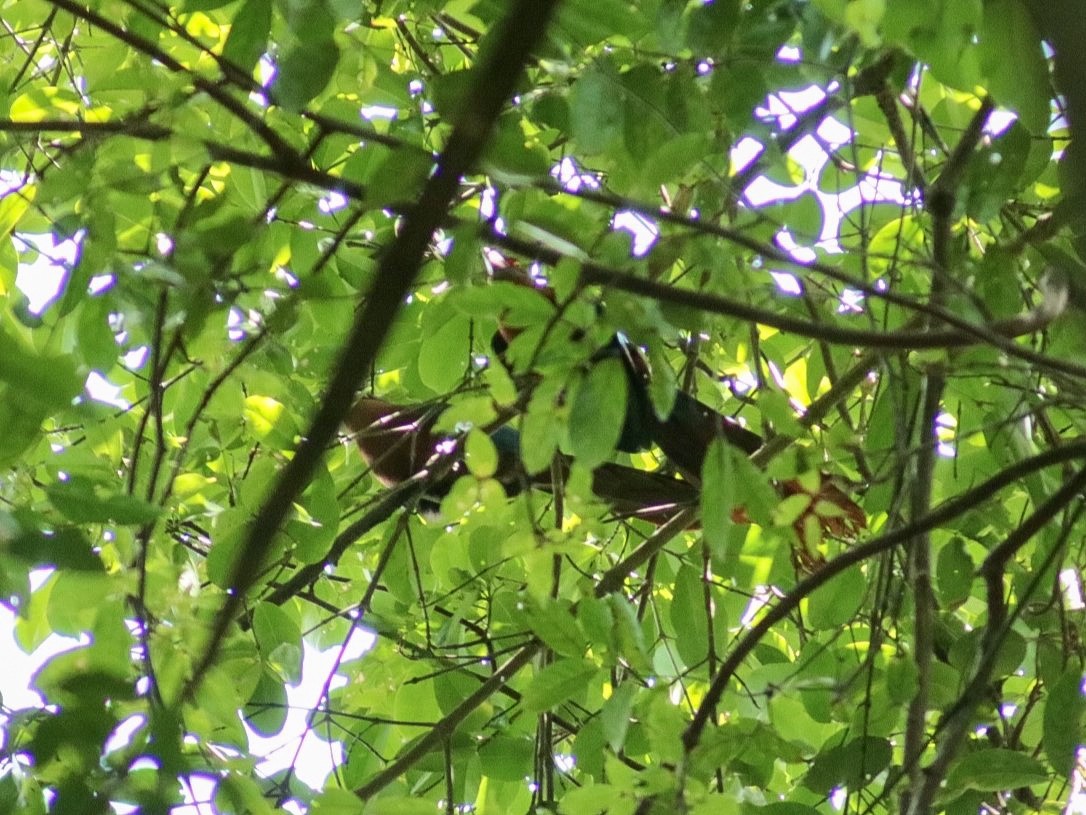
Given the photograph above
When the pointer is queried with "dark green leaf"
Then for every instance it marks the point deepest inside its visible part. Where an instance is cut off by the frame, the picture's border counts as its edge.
(954, 573)
(248, 38)
(599, 406)
(304, 73)
(1065, 709)
(718, 491)
(553, 623)
(836, 603)
(995, 770)
(507, 759)
(266, 710)
(849, 764)
(689, 610)
(596, 111)
(82, 501)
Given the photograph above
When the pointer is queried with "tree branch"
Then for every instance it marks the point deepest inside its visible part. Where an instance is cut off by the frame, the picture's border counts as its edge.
(494, 80)
(787, 604)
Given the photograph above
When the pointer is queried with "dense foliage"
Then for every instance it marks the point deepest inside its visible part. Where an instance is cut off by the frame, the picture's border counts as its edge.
(855, 226)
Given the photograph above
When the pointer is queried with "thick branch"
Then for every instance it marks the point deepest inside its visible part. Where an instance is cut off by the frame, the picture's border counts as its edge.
(962, 335)
(494, 80)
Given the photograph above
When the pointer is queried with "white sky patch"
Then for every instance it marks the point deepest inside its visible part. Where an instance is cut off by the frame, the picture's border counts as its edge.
(758, 600)
(296, 745)
(19, 666)
(833, 132)
(787, 283)
(41, 280)
(946, 427)
(998, 121)
(135, 359)
(331, 202)
(789, 53)
(235, 324)
(764, 191)
(804, 254)
(265, 75)
(784, 105)
(100, 283)
(851, 302)
(372, 112)
(644, 231)
(838, 797)
(1071, 586)
(102, 390)
(743, 152)
(572, 178)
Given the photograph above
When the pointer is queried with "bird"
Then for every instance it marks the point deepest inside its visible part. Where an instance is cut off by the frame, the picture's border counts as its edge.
(685, 434)
(398, 442)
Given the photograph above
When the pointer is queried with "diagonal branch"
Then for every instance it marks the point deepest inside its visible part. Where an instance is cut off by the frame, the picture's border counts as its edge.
(992, 570)
(857, 554)
(494, 80)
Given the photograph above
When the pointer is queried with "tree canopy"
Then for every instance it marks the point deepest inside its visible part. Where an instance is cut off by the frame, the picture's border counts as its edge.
(856, 228)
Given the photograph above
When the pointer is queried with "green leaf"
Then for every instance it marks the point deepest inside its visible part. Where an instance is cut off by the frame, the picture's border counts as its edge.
(274, 628)
(51, 382)
(240, 793)
(269, 420)
(552, 622)
(81, 501)
(718, 492)
(954, 573)
(837, 602)
(599, 406)
(450, 89)
(480, 455)
(592, 799)
(398, 178)
(1065, 709)
(688, 616)
(248, 37)
(1022, 82)
(995, 770)
(587, 22)
(596, 111)
(444, 354)
(628, 637)
(333, 801)
(507, 758)
(850, 764)
(13, 206)
(541, 430)
(396, 805)
(305, 72)
(96, 341)
(615, 715)
(710, 26)
(64, 548)
(267, 708)
(786, 808)
(559, 682)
